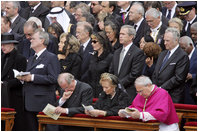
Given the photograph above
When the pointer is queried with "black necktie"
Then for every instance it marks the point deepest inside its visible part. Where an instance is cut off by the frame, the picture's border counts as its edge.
(135, 26)
(81, 51)
(169, 14)
(34, 59)
(165, 60)
(188, 30)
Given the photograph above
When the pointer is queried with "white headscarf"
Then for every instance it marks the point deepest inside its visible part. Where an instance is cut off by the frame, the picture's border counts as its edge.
(61, 17)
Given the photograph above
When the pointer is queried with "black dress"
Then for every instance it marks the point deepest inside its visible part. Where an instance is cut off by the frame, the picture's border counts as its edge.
(98, 65)
(71, 64)
(112, 106)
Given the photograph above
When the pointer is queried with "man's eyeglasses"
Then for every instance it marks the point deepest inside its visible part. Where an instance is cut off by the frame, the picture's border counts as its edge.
(94, 41)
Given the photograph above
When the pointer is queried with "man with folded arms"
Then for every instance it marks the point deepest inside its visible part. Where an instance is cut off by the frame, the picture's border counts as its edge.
(153, 103)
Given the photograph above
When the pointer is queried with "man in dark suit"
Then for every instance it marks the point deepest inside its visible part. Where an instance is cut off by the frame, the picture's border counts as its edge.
(36, 9)
(136, 15)
(74, 94)
(169, 9)
(155, 26)
(40, 84)
(172, 67)
(187, 45)
(128, 61)
(12, 8)
(188, 11)
(11, 90)
(83, 33)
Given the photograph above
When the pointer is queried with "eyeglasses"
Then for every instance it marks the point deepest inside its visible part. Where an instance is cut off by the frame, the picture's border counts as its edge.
(94, 41)
(139, 91)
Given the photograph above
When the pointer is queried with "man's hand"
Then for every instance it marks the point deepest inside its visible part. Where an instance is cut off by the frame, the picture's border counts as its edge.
(135, 114)
(120, 113)
(59, 110)
(95, 113)
(149, 61)
(66, 95)
(189, 76)
(26, 78)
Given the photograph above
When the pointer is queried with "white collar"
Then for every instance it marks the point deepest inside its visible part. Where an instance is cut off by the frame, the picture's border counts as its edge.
(40, 52)
(173, 50)
(157, 28)
(85, 44)
(124, 10)
(35, 7)
(138, 23)
(191, 53)
(192, 19)
(14, 18)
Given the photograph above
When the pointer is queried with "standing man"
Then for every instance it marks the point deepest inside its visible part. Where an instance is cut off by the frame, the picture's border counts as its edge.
(83, 33)
(169, 9)
(187, 45)
(128, 61)
(40, 84)
(12, 9)
(136, 15)
(188, 11)
(172, 67)
(155, 26)
(74, 94)
(11, 90)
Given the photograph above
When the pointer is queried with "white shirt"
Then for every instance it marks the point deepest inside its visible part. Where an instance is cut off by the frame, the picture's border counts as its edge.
(85, 44)
(36, 6)
(14, 18)
(190, 55)
(186, 28)
(172, 10)
(126, 49)
(173, 50)
(125, 10)
(138, 23)
(38, 54)
(154, 32)
(61, 102)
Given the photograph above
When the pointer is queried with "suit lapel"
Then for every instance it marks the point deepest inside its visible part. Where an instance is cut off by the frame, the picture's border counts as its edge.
(31, 65)
(116, 63)
(13, 25)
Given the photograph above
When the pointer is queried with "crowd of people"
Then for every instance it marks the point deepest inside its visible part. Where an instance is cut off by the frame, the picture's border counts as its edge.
(121, 52)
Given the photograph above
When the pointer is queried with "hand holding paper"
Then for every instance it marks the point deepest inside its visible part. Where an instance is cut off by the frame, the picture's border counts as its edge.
(50, 111)
(17, 73)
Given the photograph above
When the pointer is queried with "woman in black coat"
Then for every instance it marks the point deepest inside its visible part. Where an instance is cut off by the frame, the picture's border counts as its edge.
(100, 61)
(112, 98)
(68, 56)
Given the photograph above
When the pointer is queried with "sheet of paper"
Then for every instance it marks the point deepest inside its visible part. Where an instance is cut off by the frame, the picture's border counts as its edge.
(17, 73)
(49, 110)
(88, 107)
(125, 113)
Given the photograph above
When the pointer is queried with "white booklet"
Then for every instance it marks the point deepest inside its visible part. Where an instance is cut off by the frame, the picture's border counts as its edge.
(126, 111)
(49, 110)
(88, 107)
(17, 73)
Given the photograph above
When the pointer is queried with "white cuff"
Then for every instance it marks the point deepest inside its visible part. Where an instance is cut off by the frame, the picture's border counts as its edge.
(61, 102)
(32, 77)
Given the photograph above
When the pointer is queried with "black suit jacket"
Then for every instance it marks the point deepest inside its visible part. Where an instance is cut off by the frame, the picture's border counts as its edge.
(188, 31)
(164, 10)
(140, 33)
(164, 20)
(41, 91)
(86, 59)
(17, 25)
(173, 75)
(131, 68)
(81, 95)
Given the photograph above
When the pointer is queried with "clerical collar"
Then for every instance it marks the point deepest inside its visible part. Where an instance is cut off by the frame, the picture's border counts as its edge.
(40, 52)
(13, 19)
(35, 7)
(157, 28)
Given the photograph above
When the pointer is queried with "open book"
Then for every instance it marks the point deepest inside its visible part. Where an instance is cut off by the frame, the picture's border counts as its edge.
(49, 110)
(17, 73)
(88, 107)
(126, 111)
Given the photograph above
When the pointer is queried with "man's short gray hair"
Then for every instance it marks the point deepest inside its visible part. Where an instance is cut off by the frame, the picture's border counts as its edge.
(187, 40)
(152, 12)
(36, 20)
(43, 35)
(68, 77)
(16, 4)
(140, 9)
(87, 27)
(143, 80)
(131, 30)
(174, 32)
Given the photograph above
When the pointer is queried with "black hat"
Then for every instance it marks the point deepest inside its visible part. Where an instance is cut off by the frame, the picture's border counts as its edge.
(7, 38)
(186, 7)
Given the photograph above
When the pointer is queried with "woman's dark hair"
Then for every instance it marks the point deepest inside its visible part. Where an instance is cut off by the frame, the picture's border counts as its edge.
(114, 26)
(57, 28)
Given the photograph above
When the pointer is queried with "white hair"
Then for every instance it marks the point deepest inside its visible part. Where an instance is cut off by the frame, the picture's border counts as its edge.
(140, 8)
(36, 20)
(143, 80)
(174, 31)
(187, 40)
(152, 12)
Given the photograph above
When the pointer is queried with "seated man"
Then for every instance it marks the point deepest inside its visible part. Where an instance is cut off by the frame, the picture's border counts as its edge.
(113, 97)
(74, 95)
(153, 103)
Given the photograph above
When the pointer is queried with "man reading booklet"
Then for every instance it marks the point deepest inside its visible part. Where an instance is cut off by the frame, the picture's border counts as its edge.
(153, 103)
